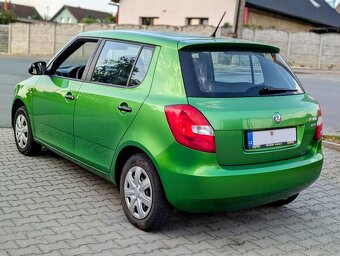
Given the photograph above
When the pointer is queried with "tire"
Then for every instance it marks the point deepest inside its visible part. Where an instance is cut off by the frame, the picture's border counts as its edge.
(149, 208)
(283, 201)
(23, 134)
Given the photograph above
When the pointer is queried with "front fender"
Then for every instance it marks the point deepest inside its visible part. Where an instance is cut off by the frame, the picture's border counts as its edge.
(23, 92)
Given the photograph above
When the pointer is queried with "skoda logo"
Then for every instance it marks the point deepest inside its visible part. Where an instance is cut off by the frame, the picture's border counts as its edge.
(277, 117)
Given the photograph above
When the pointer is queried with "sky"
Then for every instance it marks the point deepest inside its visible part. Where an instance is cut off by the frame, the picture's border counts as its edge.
(52, 6)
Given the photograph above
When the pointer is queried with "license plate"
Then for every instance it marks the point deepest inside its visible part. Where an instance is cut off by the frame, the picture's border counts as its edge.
(270, 138)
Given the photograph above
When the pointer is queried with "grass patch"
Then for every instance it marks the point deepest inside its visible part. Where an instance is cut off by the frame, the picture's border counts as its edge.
(332, 138)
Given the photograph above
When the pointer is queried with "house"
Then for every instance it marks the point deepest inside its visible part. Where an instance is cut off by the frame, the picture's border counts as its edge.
(292, 15)
(70, 14)
(22, 13)
(175, 12)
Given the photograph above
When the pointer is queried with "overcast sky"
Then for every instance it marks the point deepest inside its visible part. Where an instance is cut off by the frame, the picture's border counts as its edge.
(52, 6)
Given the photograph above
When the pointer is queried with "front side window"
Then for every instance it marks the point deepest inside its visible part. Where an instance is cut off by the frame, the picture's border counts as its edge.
(72, 62)
(122, 64)
(228, 73)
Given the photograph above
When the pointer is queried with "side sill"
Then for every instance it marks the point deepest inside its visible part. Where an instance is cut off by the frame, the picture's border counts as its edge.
(76, 161)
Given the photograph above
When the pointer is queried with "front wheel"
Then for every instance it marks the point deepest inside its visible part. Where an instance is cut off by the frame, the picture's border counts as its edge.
(23, 134)
(142, 195)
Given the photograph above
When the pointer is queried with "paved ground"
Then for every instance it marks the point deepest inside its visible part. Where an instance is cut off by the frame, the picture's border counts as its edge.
(324, 86)
(49, 206)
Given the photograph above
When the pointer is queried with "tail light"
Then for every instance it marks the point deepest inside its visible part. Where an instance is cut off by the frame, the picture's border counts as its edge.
(190, 128)
(318, 131)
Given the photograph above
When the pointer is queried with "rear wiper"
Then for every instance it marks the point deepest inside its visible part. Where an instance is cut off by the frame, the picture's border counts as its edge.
(272, 90)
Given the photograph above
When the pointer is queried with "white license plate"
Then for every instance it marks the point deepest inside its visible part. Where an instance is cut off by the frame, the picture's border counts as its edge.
(270, 138)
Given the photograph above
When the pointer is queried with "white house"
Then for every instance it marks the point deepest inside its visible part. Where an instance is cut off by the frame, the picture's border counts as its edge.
(176, 12)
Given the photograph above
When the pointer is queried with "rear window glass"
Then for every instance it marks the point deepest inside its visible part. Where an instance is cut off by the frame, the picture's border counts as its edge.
(236, 74)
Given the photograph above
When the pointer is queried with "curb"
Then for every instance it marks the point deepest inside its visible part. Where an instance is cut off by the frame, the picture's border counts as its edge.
(331, 145)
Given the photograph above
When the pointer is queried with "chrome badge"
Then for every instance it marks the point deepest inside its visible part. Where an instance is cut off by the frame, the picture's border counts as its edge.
(277, 117)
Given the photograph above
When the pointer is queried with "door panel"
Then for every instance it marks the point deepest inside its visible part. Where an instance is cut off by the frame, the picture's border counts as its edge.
(99, 124)
(55, 95)
(107, 105)
(53, 113)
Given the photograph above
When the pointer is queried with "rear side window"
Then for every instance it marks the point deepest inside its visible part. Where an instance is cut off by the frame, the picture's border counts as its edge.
(122, 64)
(142, 66)
(236, 74)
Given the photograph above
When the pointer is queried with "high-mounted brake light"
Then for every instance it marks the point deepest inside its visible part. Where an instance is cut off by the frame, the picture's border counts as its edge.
(190, 128)
(318, 131)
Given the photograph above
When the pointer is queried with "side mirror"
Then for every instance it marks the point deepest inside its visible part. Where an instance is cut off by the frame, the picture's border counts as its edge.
(37, 68)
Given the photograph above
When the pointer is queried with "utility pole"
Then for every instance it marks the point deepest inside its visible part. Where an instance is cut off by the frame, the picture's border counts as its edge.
(115, 3)
(238, 21)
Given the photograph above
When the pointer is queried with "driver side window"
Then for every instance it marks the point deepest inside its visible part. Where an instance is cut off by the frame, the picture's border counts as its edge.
(73, 62)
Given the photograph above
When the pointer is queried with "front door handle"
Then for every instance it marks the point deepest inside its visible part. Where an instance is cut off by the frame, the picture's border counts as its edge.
(124, 107)
(69, 96)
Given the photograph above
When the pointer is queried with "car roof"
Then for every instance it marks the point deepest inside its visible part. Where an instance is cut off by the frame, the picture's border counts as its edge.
(176, 40)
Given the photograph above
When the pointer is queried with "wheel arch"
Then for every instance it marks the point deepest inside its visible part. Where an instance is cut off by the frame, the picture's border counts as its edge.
(18, 102)
(124, 153)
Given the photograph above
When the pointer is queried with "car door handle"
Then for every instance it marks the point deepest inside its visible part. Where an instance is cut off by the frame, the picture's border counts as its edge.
(69, 96)
(124, 107)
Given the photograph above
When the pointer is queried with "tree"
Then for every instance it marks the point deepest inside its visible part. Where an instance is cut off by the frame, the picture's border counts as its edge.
(110, 19)
(89, 20)
(7, 17)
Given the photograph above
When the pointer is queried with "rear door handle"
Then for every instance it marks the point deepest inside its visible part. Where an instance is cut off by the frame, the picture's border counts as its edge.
(69, 96)
(124, 107)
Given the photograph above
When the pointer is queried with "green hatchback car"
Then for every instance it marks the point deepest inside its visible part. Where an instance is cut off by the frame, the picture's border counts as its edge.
(198, 123)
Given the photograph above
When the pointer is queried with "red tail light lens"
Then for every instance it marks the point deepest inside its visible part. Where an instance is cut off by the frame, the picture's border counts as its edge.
(190, 128)
(318, 131)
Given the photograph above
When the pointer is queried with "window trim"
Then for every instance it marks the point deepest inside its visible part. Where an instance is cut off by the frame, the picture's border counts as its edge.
(97, 55)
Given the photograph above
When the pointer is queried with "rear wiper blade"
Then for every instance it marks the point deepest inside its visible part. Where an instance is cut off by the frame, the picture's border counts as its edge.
(272, 90)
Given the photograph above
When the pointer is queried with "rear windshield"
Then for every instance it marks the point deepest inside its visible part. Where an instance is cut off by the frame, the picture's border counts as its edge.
(236, 74)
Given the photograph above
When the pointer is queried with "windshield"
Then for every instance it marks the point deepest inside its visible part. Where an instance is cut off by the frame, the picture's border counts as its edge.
(236, 74)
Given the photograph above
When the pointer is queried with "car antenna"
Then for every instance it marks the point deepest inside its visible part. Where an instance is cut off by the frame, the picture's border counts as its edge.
(214, 33)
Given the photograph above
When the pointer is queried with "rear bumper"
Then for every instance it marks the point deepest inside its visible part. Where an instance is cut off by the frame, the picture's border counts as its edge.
(194, 182)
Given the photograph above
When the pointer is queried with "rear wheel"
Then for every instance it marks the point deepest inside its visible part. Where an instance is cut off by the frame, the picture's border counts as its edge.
(142, 195)
(23, 134)
(284, 201)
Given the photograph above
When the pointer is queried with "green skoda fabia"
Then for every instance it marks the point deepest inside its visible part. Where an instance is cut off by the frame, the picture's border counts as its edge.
(198, 123)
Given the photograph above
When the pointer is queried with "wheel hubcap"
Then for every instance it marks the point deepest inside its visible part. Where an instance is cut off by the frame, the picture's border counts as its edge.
(21, 131)
(138, 192)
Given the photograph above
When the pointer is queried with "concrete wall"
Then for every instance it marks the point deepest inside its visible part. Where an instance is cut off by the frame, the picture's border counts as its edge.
(301, 49)
(3, 38)
(176, 12)
(48, 38)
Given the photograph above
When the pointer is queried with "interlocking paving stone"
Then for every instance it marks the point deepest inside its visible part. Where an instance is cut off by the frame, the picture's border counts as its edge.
(50, 206)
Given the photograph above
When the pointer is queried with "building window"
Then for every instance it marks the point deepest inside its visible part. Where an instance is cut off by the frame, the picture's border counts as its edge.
(62, 20)
(69, 20)
(149, 21)
(197, 21)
